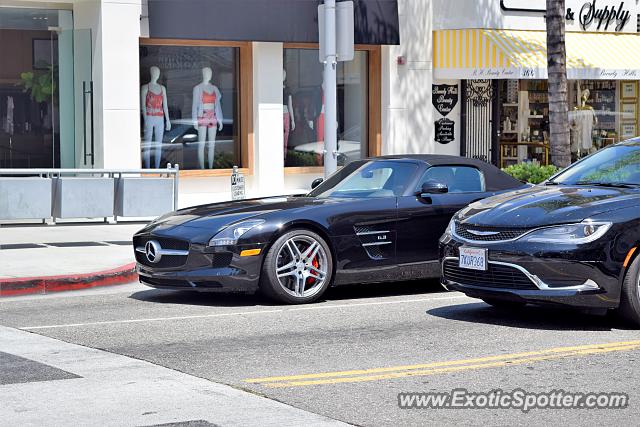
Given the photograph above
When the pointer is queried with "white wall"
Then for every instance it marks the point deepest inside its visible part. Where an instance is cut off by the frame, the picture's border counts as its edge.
(407, 115)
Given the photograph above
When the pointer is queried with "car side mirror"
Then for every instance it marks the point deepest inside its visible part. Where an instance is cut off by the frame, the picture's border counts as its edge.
(433, 187)
(316, 182)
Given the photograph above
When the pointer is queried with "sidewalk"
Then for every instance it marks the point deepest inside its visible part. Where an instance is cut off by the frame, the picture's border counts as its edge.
(52, 258)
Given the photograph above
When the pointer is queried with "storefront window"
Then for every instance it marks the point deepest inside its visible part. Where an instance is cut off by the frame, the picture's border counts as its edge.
(30, 113)
(601, 113)
(189, 106)
(303, 96)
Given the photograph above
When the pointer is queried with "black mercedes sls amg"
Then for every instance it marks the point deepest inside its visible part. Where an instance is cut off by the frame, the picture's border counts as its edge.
(374, 220)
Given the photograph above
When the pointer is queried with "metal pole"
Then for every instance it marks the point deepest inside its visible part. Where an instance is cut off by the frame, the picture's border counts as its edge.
(330, 91)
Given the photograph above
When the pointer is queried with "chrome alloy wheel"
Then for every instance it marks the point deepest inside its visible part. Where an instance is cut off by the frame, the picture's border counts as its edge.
(301, 266)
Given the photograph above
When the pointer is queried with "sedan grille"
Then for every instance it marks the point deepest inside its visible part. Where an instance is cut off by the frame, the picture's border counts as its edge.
(488, 234)
(167, 261)
(497, 276)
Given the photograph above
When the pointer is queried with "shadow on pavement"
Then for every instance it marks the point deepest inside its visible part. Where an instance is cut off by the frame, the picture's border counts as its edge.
(529, 317)
(231, 299)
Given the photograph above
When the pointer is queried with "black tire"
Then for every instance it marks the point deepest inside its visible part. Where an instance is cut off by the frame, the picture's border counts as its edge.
(629, 308)
(504, 304)
(270, 284)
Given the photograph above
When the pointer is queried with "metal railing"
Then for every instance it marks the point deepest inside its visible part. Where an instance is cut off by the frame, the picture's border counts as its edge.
(117, 175)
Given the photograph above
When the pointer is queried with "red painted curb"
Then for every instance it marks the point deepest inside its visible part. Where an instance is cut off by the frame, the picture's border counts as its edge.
(48, 284)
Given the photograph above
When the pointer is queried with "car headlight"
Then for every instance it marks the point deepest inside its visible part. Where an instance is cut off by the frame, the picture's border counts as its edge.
(230, 235)
(576, 234)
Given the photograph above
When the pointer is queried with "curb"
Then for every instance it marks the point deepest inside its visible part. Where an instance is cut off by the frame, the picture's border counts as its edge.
(72, 282)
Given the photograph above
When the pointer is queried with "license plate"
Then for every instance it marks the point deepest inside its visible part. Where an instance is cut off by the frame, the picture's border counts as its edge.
(473, 259)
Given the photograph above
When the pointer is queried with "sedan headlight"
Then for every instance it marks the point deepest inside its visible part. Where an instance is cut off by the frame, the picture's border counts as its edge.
(230, 235)
(576, 234)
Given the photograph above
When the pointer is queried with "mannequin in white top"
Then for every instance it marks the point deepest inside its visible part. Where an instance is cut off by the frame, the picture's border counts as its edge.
(207, 115)
(583, 119)
(155, 111)
(287, 111)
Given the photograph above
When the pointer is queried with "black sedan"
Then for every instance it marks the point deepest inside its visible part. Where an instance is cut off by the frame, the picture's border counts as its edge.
(374, 220)
(570, 241)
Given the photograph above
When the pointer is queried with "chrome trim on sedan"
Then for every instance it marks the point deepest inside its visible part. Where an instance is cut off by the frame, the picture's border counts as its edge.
(588, 285)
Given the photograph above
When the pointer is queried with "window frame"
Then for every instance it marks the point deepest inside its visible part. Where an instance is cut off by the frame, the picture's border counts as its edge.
(245, 99)
(374, 104)
(483, 180)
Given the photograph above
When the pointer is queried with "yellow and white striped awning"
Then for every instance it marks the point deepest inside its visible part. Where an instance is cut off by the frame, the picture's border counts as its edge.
(516, 54)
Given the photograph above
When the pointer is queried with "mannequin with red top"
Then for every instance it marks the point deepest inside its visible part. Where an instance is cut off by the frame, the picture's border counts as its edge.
(206, 115)
(155, 111)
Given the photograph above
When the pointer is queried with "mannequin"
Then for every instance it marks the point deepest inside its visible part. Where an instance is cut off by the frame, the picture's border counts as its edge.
(320, 119)
(287, 111)
(582, 122)
(155, 111)
(207, 115)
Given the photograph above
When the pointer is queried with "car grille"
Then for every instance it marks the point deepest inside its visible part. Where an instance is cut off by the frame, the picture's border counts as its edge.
(222, 260)
(496, 234)
(167, 261)
(497, 276)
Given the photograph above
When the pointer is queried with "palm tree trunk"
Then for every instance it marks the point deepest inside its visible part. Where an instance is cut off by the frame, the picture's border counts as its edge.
(560, 144)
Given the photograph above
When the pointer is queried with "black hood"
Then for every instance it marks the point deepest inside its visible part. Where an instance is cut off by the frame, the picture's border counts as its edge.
(214, 217)
(547, 205)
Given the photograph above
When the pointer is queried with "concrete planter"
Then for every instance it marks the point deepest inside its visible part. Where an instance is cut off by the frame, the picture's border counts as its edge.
(77, 197)
(144, 197)
(25, 198)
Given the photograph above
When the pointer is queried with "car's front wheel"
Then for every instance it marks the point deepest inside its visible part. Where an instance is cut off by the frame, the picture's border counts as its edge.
(298, 268)
(630, 297)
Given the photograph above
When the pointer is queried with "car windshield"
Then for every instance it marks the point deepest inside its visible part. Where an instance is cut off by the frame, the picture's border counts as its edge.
(616, 166)
(368, 179)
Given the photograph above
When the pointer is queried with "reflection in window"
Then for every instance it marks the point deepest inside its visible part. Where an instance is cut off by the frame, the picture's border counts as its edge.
(458, 179)
(303, 98)
(189, 106)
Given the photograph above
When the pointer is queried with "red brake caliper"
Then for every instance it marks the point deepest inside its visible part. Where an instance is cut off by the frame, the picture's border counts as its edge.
(316, 264)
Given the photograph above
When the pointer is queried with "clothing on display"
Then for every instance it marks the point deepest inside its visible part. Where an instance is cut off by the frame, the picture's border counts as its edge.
(153, 135)
(154, 104)
(320, 122)
(583, 121)
(286, 97)
(206, 105)
(9, 121)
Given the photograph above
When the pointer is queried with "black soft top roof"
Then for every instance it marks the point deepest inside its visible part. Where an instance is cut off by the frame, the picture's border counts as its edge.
(495, 179)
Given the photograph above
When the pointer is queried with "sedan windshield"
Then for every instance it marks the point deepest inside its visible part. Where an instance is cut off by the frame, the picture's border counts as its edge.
(368, 179)
(617, 166)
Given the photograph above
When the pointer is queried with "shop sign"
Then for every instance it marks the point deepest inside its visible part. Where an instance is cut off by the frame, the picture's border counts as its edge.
(596, 15)
(445, 131)
(444, 98)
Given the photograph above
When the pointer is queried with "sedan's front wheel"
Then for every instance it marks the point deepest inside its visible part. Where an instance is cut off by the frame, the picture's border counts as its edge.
(298, 268)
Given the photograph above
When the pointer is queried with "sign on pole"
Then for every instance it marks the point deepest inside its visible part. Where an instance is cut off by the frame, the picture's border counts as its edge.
(345, 39)
(237, 185)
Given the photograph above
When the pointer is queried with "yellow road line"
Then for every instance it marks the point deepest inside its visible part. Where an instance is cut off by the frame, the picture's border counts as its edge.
(433, 368)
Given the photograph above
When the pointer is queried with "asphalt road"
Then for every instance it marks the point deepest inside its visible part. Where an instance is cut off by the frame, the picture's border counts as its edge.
(349, 357)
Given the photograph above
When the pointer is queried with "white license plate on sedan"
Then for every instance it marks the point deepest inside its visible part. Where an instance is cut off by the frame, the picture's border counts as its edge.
(473, 259)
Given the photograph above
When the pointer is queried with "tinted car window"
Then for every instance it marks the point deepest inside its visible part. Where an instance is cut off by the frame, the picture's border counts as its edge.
(369, 179)
(619, 164)
(459, 179)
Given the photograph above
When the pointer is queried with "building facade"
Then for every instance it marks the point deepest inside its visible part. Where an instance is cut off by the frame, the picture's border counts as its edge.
(493, 56)
(209, 85)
